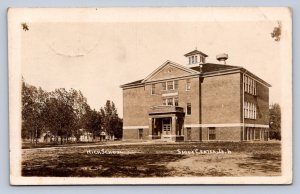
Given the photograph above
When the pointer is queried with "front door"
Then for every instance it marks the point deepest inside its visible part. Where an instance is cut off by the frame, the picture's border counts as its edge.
(166, 127)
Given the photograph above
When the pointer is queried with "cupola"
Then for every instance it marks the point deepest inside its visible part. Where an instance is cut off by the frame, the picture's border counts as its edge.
(196, 57)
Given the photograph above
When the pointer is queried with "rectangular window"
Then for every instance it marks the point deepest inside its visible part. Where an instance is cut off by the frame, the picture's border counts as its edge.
(190, 60)
(244, 83)
(212, 133)
(176, 101)
(245, 113)
(140, 133)
(247, 84)
(196, 59)
(188, 108)
(170, 101)
(170, 85)
(250, 110)
(176, 84)
(164, 86)
(164, 101)
(153, 89)
(193, 59)
(247, 110)
(250, 85)
(188, 84)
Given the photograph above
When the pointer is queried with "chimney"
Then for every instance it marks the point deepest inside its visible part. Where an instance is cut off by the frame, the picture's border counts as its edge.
(200, 68)
(222, 57)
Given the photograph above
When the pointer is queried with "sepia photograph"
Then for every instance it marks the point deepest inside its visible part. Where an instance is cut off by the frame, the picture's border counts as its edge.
(150, 95)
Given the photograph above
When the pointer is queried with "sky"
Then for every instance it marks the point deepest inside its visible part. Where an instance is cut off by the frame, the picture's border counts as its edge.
(98, 57)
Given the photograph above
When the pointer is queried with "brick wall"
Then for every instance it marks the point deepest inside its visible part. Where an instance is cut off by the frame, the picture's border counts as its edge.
(137, 102)
(224, 134)
(221, 99)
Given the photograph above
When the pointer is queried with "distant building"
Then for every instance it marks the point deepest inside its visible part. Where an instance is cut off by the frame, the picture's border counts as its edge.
(85, 136)
(197, 102)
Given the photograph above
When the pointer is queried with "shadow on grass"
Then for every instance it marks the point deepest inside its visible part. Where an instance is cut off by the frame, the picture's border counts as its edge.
(268, 163)
(130, 165)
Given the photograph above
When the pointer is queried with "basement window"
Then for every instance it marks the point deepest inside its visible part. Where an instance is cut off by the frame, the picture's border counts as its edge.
(212, 133)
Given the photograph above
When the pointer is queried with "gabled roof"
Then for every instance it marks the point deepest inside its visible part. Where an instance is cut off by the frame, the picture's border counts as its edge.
(194, 52)
(208, 69)
(189, 70)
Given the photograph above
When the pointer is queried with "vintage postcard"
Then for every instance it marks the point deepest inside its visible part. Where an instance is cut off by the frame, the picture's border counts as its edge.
(178, 95)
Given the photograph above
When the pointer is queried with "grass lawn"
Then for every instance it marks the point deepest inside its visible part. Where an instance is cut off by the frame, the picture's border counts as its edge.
(154, 160)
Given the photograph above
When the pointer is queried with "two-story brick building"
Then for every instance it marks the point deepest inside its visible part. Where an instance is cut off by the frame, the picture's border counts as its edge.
(197, 102)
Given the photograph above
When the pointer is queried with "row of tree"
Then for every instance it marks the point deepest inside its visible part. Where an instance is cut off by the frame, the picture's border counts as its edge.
(63, 113)
(275, 121)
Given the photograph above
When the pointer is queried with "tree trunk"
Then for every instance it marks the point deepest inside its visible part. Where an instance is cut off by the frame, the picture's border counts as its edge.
(36, 138)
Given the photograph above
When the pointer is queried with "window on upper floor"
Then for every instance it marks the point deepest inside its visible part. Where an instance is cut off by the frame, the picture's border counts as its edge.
(164, 101)
(176, 101)
(170, 85)
(188, 108)
(188, 84)
(250, 110)
(153, 89)
(176, 84)
(164, 85)
(196, 59)
(170, 101)
(249, 85)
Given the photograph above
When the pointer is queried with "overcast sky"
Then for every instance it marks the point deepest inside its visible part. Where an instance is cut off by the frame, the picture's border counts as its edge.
(98, 57)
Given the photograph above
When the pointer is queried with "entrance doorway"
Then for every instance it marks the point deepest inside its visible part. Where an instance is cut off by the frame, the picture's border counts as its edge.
(166, 126)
